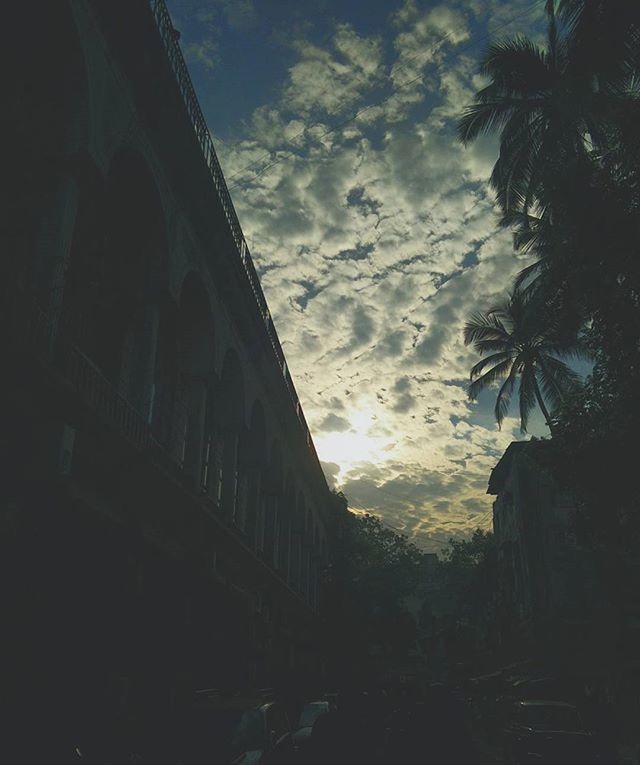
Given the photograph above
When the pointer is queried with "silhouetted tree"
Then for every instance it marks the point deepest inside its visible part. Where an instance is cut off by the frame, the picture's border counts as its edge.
(374, 569)
(522, 342)
(553, 106)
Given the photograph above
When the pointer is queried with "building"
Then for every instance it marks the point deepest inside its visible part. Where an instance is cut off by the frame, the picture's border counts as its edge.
(165, 519)
(550, 600)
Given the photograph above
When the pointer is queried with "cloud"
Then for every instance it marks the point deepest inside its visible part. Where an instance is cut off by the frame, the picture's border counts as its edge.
(332, 80)
(334, 424)
(240, 14)
(374, 243)
(205, 53)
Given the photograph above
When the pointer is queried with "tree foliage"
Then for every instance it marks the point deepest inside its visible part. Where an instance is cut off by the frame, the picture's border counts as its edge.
(567, 181)
(374, 569)
(468, 568)
(522, 342)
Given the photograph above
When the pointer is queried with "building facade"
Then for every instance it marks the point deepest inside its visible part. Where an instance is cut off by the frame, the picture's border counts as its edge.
(549, 598)
(165, 519)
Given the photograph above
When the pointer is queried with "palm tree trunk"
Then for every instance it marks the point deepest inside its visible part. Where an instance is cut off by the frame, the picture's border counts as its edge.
(541, 404)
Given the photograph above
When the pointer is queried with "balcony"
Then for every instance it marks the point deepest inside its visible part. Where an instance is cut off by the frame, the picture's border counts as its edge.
(32, 332)
(41, 333)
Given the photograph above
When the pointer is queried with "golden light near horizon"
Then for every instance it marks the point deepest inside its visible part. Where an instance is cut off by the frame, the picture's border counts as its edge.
(353, 446)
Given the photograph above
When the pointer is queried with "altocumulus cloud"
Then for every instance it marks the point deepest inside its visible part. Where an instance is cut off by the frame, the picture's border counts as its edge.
(375, 241)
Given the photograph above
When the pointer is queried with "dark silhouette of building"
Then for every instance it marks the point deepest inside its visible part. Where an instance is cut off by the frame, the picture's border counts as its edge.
(164, 517)
(549, 597)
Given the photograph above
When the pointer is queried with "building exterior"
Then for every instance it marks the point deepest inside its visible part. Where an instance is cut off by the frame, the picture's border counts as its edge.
(549, 598)
(164, 517)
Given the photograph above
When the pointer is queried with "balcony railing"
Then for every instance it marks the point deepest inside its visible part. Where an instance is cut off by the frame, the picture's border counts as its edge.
(54, 341)
(169, 38)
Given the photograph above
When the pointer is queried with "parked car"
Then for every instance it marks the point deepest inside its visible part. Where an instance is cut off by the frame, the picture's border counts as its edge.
(549, 733)
(311, 711)
(237, 729)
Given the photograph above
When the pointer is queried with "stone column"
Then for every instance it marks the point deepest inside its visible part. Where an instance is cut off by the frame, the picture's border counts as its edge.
(252, 479)
(306, 570)
(196, 403)
(286, 543)
(261, 524)
(297, 563)
(229, 473)
(275, 533)
(269, 526)
(143, 363)
(313, 582)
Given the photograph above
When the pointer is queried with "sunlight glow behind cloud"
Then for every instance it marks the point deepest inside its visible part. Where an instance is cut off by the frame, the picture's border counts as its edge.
(355, 446)
(374, 242)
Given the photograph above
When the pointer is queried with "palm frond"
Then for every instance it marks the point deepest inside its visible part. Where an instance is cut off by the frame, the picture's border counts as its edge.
(518, 66)
(484, 327)
(488, 115)
(498, 372)
(557, 379)
(527, 275)
(494, 358)
(514, 171)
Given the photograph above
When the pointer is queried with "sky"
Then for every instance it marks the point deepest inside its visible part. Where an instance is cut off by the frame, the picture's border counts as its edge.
(373, 230)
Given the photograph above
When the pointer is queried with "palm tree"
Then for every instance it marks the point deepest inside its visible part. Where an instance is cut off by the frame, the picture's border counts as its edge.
(522, 341)
(550, 108)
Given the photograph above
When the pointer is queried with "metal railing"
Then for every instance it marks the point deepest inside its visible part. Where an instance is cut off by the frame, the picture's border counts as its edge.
(53, 339)
(169, 38)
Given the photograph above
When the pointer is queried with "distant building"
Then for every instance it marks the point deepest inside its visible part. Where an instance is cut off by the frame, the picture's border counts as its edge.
(548, 594)
(164, 519)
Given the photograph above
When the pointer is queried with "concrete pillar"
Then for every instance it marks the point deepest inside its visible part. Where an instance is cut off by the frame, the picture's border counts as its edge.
(276, 530)
(261, 524)
(229, 473)
(273, 530)
(312, 582)
(268, 506)
(252, 478)
(306, 571)
(287, 537)
(196, 406)
(240, 518)
(297, 562)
